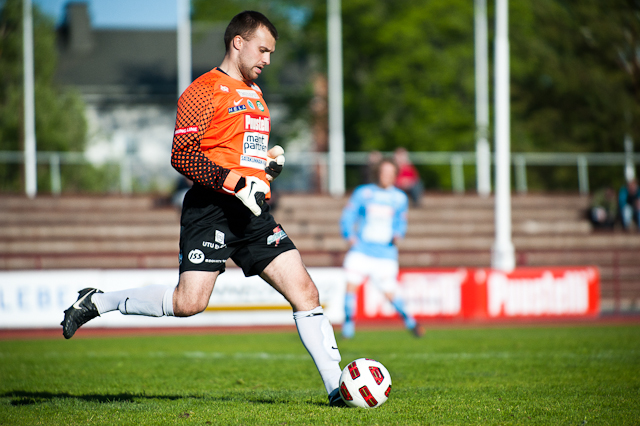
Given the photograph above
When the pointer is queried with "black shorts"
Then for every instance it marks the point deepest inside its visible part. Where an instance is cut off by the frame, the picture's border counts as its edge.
(216, 226)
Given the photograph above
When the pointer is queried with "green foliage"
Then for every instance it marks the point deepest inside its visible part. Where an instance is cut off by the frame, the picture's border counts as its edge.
(409, 75)
(60, 121)
(575, 75)
(522, 375)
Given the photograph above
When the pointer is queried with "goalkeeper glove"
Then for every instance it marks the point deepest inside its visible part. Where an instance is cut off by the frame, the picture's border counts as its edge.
(250, 190)
(275, 162)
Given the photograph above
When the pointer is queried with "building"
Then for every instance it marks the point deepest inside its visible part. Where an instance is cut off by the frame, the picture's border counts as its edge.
(128, 80)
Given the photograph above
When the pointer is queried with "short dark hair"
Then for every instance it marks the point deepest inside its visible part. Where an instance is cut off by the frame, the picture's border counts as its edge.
(245, 24)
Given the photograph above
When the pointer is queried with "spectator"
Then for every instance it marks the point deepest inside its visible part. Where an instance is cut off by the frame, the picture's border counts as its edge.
(369, 169)
(373, 221)
(629, 204)
(604, 209)
(408, 178)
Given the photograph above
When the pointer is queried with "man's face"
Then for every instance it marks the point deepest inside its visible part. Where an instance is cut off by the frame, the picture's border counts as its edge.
(387, 175)
(255, 53)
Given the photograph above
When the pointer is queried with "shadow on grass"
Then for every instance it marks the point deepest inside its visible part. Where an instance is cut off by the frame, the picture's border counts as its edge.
(19, 398)
(29, 398)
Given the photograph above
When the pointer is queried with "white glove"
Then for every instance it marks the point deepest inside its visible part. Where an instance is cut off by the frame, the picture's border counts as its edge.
(253, 193)
(275, 162)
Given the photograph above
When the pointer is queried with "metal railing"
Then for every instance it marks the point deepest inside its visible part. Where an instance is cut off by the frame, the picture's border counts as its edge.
(455, 160)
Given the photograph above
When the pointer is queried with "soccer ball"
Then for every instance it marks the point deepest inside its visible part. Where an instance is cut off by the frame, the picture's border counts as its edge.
(365, 383)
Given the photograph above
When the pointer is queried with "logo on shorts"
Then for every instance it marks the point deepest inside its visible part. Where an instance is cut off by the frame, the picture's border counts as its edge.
(219, 237)
(277, 236)
(196, 256)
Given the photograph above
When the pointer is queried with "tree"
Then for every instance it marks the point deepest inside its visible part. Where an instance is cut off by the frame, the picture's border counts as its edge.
(409, 76)
(60, 121)
(575, 81)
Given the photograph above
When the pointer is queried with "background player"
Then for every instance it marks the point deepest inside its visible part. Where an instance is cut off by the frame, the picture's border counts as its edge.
(373, 222)
(220, 143)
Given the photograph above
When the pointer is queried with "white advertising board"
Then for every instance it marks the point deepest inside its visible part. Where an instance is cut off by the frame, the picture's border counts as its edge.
(37, 299)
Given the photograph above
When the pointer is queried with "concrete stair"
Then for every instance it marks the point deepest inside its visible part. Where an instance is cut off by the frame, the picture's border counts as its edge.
(445, 231)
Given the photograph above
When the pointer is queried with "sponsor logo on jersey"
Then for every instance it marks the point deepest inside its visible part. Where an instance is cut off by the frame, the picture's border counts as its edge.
(260, 106)
(277, 236)
(237, 109)
(257, 123)
(250, 104)
(237, 102)
(255, 144)
(251, 94)
(183, 130)
(219, 237)
(196, 256)
(224, 88)
(253, 162)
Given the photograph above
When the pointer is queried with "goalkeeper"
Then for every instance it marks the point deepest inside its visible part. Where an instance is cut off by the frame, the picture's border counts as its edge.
(221, 144)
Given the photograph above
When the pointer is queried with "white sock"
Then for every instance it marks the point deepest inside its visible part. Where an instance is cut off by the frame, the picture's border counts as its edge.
(151, 300)
(317, 336)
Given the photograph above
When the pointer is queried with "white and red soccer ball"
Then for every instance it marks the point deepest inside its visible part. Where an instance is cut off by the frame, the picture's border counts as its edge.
(365, 383)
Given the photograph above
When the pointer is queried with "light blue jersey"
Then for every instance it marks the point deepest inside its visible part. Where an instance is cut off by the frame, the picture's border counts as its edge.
(375, 216)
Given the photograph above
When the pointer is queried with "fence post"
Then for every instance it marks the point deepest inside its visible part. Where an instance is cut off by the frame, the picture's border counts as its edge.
(583, 175)
(521, 173)
(54, 169)
(457, 174)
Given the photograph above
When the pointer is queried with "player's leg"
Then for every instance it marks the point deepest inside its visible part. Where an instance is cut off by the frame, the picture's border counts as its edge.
(193, 292)
(386, 280)
(154, 300)
(286, 273)
(356, 267)
(409, 321)
(190, 297)
(350, 303)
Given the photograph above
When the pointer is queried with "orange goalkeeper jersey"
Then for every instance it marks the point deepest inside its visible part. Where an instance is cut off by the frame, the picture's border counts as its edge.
(222, 124)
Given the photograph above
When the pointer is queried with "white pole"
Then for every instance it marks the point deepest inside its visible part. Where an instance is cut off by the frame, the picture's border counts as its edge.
(184, 45)
(483, 152)
(336, 120)
(503, 252)
(31, 185)
(629, 168)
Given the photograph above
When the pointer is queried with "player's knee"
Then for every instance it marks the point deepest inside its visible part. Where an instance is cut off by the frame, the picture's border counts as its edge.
(187, 308)
(307, 299)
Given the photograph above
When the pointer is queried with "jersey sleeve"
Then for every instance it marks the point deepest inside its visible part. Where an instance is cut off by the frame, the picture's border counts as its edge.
(350, 215)
(195, 111)
(400, 216)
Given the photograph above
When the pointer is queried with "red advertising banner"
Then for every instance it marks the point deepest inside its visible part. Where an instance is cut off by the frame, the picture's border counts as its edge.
(470, 293)
(541, 292)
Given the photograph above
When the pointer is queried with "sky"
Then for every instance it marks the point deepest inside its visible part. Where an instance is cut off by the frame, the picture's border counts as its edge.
(151, 14)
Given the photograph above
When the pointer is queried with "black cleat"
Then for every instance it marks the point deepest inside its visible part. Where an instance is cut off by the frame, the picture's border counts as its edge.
(80, 312)
(417, 331)
(335, 400)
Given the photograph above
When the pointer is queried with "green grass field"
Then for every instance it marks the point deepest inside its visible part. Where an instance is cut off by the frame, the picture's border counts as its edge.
(581, 375)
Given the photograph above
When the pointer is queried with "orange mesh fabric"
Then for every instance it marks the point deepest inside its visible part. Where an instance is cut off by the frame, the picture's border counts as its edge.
(222, 124)
(195, 111)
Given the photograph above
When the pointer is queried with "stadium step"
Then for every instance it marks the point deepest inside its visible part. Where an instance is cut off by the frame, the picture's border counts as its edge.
(445, 231)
